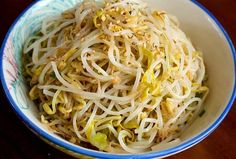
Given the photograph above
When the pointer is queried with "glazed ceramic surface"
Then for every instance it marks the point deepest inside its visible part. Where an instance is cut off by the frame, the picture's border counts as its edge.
(200, 26)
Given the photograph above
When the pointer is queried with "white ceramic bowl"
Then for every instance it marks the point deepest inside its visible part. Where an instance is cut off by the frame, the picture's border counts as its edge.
(200, 25)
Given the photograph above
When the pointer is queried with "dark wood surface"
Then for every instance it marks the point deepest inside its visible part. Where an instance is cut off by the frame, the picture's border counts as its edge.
(17, 142)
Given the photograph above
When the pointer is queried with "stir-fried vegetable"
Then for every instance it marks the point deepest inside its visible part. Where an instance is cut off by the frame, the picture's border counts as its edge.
(115, 76)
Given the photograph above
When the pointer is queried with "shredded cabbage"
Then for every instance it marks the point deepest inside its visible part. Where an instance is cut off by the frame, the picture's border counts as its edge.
(100, 141)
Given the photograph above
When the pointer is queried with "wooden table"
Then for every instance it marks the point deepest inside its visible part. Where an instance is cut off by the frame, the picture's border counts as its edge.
(17, 142)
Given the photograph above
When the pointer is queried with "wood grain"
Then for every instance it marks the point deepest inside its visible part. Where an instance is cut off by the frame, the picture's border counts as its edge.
(17, 142)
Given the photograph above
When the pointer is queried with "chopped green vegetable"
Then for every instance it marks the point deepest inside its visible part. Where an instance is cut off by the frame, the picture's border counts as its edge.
(131, 124)
(148, 77)
(100, 141)
(90, 130)
(147, 54)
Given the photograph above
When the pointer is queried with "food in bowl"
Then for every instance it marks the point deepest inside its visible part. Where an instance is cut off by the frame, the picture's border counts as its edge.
(115, 76)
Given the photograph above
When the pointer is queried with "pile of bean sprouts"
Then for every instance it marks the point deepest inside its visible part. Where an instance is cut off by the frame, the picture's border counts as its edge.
(115, 76)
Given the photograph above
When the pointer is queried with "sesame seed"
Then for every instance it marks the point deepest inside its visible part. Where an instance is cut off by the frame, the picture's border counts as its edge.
(103, 17)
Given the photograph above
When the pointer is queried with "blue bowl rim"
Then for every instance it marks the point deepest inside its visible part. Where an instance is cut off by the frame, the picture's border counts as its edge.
(92, 153)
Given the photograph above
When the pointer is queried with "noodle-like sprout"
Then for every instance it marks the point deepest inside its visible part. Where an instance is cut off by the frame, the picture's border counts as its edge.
(115, 76)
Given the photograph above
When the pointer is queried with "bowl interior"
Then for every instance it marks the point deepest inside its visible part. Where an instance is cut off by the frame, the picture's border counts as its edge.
(199, 27)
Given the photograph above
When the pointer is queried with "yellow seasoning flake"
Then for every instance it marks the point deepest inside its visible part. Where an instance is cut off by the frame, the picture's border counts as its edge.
(115, 28)
(103, 17)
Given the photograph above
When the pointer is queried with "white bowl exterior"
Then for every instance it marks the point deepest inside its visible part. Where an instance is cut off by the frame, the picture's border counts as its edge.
(199, 27)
